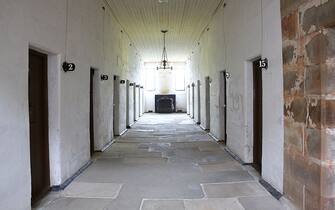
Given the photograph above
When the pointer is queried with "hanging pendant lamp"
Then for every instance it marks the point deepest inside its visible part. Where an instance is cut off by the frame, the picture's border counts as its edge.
(164, 64)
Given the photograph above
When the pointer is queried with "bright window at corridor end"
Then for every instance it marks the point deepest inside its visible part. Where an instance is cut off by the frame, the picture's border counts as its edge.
(150, 79)
(180, 79)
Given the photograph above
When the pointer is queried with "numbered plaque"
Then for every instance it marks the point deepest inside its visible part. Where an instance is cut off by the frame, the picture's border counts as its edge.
(263, 63)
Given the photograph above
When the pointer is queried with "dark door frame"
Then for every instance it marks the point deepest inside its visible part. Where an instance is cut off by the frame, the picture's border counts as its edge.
(134, 102)
(188, 93)
(40, 165)
(192, 99)
(139, 101)
(198, 120)
(257, 116)
(208, 102)
(116, 106)
(92, 70)
(128, 104)
(223, 102)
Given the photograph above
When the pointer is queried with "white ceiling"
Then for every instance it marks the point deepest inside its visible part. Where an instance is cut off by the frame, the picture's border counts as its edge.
(144, 19)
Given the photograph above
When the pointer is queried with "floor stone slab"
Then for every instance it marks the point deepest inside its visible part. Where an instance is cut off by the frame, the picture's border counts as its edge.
(162, 205)
(92, 190)
(225, 166)
(226, 176)
(229, 190)
(76, 204)
(141, 160)
(213, 204)
(260, 203)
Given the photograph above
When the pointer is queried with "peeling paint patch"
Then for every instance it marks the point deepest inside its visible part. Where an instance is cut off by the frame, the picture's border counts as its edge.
(288, 54)
(316, 49)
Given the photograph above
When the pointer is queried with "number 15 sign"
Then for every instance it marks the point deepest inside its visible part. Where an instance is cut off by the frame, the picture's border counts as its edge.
(263, 64)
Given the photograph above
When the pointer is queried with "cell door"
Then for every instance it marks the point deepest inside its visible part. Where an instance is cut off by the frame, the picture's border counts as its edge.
(223, 105)
(128, 104)
(188, 99)
(198, 120)
(208, 102)
(134, 102)
(192, 100)
(91, 111)
(39, 125)
(258, 115)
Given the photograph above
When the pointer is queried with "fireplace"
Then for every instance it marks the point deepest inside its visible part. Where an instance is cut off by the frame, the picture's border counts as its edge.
(165, 103)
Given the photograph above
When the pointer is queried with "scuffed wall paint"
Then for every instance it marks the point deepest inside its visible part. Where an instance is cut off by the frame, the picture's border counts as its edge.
(92, 38)
(237, 35)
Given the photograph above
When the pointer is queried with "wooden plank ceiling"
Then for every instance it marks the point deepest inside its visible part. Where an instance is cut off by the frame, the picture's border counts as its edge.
(144, 19)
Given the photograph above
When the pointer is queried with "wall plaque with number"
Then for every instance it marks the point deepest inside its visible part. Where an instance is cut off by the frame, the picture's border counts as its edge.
(68, 66)
(263, 63)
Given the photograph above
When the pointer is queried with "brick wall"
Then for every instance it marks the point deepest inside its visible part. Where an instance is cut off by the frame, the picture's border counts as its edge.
(308, 28)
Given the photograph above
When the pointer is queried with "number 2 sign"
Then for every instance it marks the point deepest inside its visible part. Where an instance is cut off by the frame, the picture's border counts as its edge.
(68, 66)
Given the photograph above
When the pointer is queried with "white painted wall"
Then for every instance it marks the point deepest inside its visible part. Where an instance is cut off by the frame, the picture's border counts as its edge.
(131, 105)
(197, 101)
(234, 38)
(188, 99)
(92, 38)
(123, 101)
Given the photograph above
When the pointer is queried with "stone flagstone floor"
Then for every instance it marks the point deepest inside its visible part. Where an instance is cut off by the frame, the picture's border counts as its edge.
(164, 162)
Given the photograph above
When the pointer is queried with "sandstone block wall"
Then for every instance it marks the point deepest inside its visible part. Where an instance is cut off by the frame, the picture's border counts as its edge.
(308, 28)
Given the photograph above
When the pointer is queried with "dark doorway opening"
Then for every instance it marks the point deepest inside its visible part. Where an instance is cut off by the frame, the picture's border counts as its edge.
(223, 105)
(128, 103)
(188, 93)
(39, 125)
(92, 111)
(208, 102)
(257, 116)
(134, 101)
(192, 100)
(198, 120)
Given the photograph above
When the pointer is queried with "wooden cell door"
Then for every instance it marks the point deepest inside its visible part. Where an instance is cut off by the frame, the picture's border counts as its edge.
(198, 120)
(92, 111)
(138, 106)
(188, 99)
(223, 105)
(208, 102)
(192, 101)
(134, 102)
(258, 115)
(128, 104)
(39, 125)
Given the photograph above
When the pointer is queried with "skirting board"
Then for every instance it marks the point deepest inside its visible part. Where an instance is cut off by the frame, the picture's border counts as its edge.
(203, 128)
(275, 193)
(236, 157)
(62, 186)
(107, 145)
(129, 126)
(214, 137)
(123, 132)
